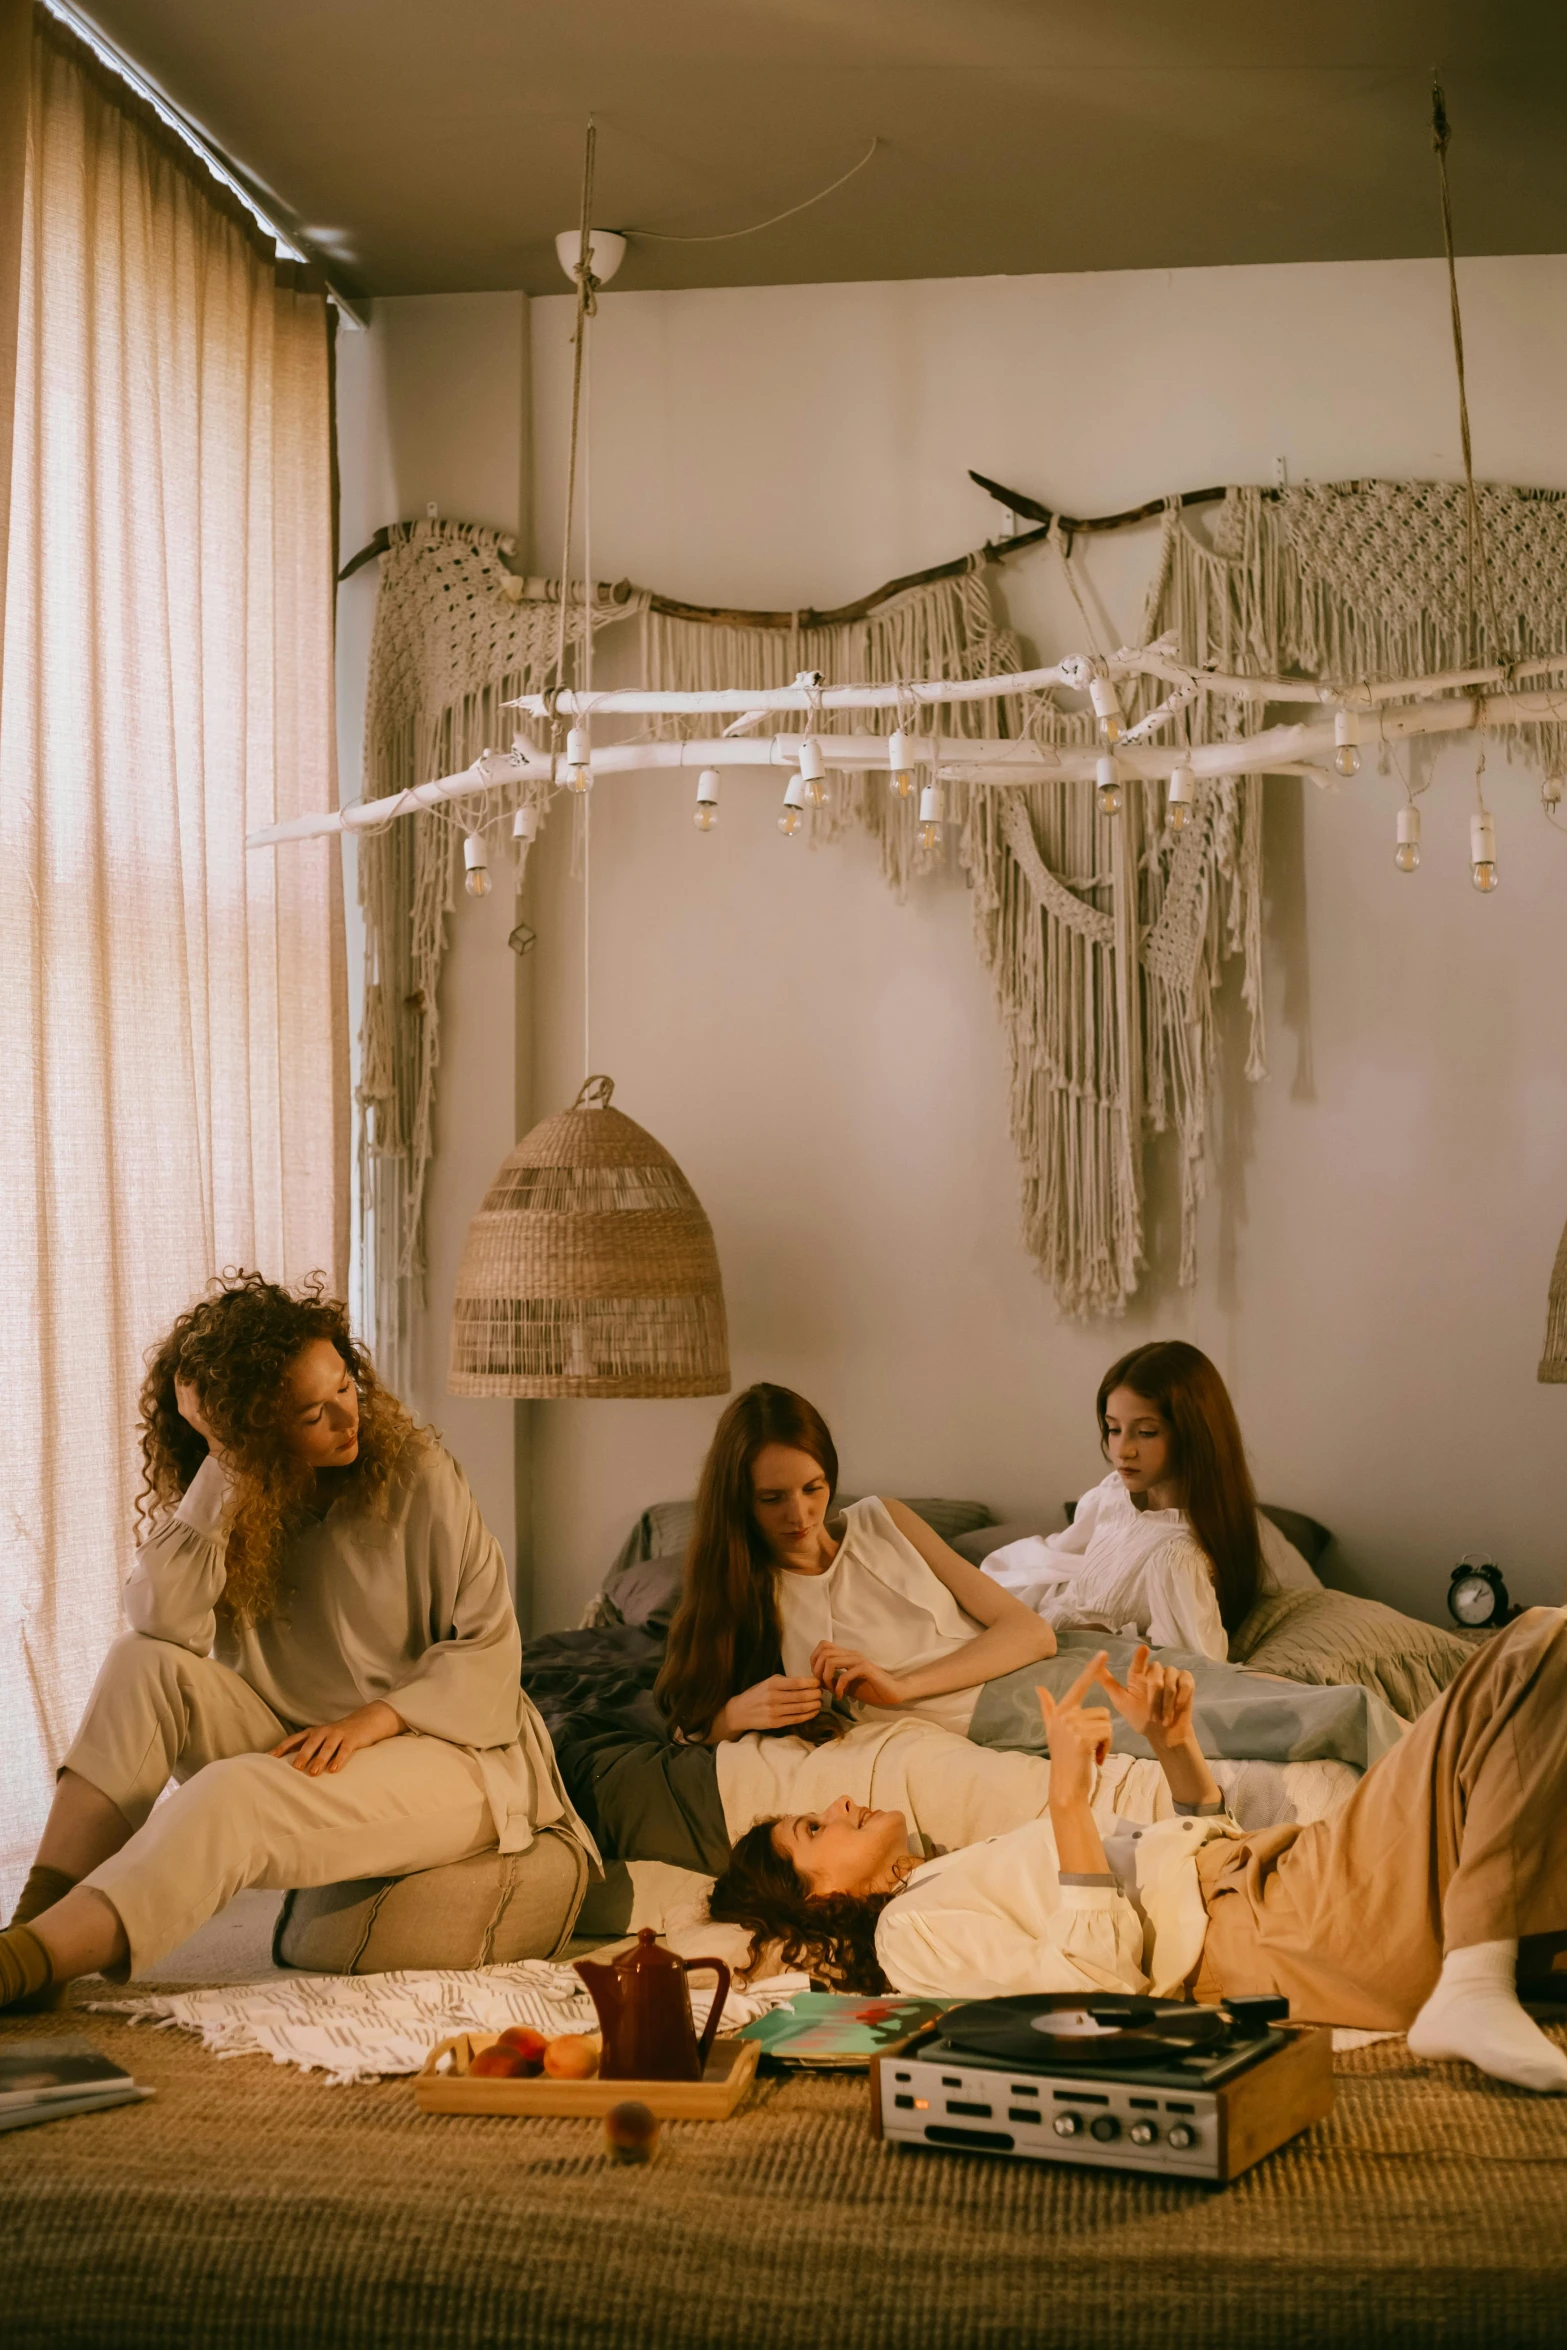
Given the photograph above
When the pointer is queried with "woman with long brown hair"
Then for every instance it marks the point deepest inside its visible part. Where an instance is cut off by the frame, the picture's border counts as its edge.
(788, 1609)
(1169, 1547)
(323, 1651)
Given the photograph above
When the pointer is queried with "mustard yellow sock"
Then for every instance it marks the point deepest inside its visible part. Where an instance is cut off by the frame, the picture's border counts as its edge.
(44, 1887)
(24, 1965)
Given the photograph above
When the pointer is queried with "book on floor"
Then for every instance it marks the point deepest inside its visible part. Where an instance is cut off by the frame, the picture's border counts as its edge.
(58, 2109)
(42, 2079)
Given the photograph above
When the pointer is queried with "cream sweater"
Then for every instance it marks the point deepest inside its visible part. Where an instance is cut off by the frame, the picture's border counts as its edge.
(996, 1919)
(410, 1605)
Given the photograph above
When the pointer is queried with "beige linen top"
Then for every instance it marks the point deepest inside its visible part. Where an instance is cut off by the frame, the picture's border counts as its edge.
(409, 1604)
(996, 1919)
(879, 1597)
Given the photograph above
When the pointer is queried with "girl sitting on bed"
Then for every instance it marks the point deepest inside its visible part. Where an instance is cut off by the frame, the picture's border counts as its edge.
(1402, 1912)
(1169, 1547)
(786, 1607)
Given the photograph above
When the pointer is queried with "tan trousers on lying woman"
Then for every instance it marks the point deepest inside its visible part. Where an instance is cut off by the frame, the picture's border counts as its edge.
(1457, 1837)
(244, 1816)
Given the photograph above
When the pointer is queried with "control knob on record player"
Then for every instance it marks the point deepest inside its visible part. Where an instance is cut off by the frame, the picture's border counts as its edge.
(1067, 2125)
(1104, 2126)
(1180, 2135)
(1143, 2133)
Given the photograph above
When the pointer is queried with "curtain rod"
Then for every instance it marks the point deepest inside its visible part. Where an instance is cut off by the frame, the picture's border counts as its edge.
(223, 168)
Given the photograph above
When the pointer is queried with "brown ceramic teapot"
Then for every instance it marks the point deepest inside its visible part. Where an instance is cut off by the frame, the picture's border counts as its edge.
(644, 2009)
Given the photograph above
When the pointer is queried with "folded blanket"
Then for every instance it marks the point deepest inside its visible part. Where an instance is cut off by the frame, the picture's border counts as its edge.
(1240, 1715)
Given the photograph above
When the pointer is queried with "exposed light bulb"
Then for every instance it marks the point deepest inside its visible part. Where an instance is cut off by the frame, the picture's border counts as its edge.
(476, 881)
(1482, 853)
(1183, 793)
(1407, 854)
(1107, 707)
(790, 818)
(579, 756)
(930, 816)
(812, 770)
(1551, 791)
(900, 760)
(707, 799)
(1107, 786)
(1346, 734)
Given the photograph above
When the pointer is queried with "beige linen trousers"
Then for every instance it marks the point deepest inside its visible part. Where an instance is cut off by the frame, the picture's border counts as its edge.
(241, 1815)
(1458, 1836)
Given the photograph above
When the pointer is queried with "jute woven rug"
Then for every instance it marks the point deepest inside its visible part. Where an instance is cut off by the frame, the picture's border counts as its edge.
(250, 2208)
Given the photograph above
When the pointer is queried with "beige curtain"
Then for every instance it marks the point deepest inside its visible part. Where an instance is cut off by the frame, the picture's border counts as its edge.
(172, 1030)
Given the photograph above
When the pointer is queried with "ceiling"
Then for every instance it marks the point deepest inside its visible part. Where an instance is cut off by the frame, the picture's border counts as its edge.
(428, 147)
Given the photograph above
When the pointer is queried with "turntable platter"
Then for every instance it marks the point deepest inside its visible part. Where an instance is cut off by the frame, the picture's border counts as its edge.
(1074, 2027)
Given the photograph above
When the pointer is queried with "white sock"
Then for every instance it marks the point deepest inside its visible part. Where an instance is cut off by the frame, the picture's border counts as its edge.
(1474, 2013)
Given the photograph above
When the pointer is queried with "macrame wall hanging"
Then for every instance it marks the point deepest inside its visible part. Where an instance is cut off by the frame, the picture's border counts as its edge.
(456, 633)
(1105, 935)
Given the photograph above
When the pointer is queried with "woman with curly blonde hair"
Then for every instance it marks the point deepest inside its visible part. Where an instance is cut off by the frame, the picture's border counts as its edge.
(322, 1651)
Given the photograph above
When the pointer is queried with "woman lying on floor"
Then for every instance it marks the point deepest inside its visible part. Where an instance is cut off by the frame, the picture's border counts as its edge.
(324, 1653)
(1403, 1912)
(786, 1609)
(1170, 1546)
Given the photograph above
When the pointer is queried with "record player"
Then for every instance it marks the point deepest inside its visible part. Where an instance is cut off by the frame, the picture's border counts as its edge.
(1109, 2080)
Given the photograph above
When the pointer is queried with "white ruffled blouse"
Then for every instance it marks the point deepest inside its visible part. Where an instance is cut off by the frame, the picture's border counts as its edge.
(1139, 1574)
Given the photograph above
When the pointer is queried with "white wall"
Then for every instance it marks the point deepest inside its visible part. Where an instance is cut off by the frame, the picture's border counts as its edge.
(432, 408)
(826, 1063)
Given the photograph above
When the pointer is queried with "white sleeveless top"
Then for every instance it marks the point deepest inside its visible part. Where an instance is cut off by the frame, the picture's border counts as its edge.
(879, 1597)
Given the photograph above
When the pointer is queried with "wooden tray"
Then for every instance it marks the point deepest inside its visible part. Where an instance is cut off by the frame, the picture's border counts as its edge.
(731, 2068)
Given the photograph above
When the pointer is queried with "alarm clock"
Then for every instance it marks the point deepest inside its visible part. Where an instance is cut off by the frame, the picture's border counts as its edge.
(1477, 1597)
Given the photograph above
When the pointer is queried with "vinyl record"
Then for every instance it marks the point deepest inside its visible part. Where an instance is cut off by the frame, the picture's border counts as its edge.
(1077, 2027)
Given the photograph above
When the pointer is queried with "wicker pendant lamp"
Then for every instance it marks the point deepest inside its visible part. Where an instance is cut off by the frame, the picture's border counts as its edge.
(590, 1269)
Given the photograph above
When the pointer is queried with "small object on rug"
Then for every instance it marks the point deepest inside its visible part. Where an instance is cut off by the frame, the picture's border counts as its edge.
(630, 2132)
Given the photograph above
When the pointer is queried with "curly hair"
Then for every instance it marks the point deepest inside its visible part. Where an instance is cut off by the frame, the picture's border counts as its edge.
(235, 1347)
(832, 1936)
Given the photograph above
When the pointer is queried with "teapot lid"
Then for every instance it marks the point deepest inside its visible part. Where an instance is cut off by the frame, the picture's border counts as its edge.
(647, 1954)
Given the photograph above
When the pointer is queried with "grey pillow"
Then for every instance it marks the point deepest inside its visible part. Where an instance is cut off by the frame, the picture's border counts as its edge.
(643, 1585)
(1333, 1636)
(489, 1910)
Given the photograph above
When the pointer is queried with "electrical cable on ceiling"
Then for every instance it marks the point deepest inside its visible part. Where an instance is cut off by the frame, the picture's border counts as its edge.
(723, 236)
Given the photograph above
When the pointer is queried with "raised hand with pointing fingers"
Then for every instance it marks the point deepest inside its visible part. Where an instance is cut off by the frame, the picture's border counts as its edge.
(1158, 1702)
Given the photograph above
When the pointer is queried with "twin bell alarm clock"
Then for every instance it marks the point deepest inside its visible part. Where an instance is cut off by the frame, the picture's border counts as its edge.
(1477, 1597)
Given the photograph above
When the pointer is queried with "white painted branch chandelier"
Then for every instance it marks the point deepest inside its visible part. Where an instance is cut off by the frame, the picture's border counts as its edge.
(518, 784)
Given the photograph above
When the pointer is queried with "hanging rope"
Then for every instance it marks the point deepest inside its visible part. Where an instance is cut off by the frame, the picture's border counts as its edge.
(587, 290)
(1441, 134)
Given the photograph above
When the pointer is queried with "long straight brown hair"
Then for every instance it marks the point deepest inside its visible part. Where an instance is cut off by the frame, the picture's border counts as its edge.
(1183, 1387)
(725, 1636)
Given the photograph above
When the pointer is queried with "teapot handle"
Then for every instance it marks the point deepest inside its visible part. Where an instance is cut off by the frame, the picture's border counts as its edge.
(717, 2009)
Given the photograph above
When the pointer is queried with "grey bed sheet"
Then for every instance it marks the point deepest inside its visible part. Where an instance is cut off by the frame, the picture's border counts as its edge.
(1240, 1716)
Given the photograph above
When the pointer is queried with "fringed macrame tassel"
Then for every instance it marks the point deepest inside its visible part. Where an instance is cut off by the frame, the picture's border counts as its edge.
(1553, 1362)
